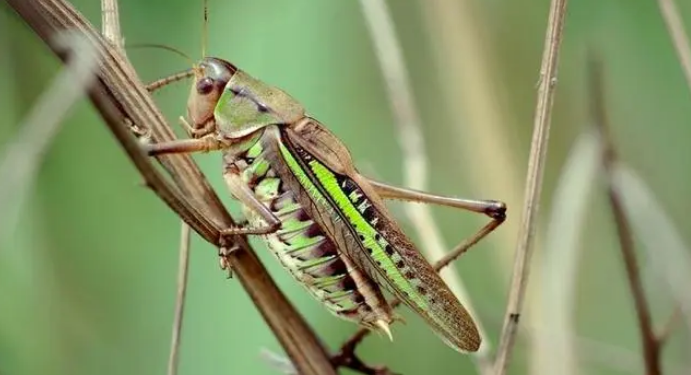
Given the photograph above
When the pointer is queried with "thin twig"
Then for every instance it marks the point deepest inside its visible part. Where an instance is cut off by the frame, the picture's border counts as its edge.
(554, 351)
(667, 329)
(650, 347)
(110, 24)
(120, 95)
(675, 27)
(183, 266)
(346, 356)
(24, 154)
(536, 163)
(411, 139)
(651, 352)
(667, 253)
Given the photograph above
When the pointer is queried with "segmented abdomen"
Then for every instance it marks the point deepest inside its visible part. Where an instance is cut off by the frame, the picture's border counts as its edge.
(306, 252)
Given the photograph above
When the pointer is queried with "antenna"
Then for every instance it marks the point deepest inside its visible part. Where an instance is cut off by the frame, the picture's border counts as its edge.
(165, 47)
(205, 28)
(153, 86)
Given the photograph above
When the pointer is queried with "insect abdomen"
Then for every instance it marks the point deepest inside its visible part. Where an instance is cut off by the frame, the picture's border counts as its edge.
(306, 252)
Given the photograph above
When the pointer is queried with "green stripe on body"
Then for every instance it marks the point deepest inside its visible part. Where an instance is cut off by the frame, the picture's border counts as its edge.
(328, 181)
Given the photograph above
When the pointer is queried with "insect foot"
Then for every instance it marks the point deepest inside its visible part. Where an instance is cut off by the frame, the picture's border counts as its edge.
(143, 134)
(224, 258)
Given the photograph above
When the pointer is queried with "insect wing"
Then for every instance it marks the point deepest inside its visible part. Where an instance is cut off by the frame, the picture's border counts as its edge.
(382, 250)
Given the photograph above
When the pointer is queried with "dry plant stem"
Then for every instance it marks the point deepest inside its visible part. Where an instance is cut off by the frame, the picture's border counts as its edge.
(536, 163)
(116, 77)
(183, 267)
(667, 252)
(651, 347)
(111, 32)
(22, 156)
(119, 95)
(411, 140)
(675, 26)
(110, 24)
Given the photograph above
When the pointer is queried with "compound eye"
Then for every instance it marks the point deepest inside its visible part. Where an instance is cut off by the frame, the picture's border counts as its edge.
(205, 86)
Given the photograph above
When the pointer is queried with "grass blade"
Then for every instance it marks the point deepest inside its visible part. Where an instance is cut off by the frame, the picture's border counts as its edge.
(554, 351)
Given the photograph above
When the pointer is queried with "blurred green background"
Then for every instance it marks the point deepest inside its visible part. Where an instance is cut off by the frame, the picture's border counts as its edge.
(88, 278)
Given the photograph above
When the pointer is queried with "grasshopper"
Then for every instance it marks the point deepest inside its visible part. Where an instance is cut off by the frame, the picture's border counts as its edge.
(324, 221)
